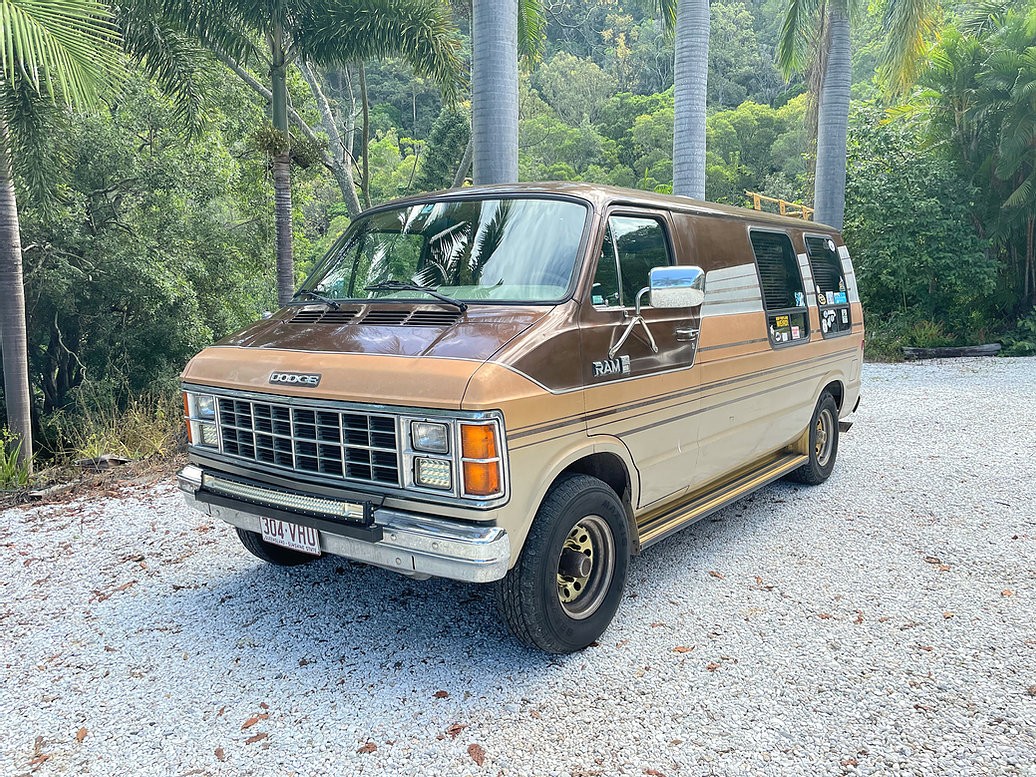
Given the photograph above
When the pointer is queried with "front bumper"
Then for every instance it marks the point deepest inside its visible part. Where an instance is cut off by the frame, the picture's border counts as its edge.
(412, 544)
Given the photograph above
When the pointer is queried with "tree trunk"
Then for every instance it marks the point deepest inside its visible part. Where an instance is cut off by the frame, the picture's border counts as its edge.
(691, 77)
(339, 151)
(465, 163)
(282, 216)
(12, 310)
(365, 178)
(833, 122)
(282, 170)
(494, 90)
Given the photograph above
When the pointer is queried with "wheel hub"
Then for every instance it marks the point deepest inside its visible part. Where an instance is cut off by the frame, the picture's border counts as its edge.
(586, 566)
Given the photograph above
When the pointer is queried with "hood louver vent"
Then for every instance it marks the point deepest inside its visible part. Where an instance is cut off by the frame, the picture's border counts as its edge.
(433, 318)
(386, 317)
(330, 316)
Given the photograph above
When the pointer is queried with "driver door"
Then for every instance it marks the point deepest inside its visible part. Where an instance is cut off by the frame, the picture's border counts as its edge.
(644, 394)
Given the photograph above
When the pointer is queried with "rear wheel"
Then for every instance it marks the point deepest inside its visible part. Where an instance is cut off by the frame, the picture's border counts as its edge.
(567, 583)
(272, 554)
(823, 443)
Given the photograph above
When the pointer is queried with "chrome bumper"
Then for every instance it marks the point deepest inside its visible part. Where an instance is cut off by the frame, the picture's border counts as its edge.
(415, 545)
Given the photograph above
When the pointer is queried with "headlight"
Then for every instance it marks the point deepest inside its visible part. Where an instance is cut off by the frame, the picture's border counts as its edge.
(200, 415)
(430, 437)
(433, 473)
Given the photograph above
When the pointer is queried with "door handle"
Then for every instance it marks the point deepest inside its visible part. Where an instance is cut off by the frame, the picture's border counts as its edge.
(687, 334)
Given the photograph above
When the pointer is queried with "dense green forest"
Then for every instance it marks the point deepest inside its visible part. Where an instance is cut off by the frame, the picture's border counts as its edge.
(147, 217)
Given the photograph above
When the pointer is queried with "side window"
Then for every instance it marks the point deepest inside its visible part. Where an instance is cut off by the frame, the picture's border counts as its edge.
(829, 278)
(783, 294)
(632, 246)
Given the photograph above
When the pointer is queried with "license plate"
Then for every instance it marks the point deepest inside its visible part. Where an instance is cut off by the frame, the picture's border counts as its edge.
(305, 539)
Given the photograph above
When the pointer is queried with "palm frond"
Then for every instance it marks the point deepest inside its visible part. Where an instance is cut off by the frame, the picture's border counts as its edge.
(983, 17)
(909, 28)
(168, 55)
(532, 31)
(420, 32)
(800, 20)
(38, 127)
(67, 48)
(665, 10)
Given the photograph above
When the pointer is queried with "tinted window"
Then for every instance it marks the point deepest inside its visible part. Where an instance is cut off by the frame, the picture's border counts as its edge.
(632, 245)
(829, 279)
(783, 294)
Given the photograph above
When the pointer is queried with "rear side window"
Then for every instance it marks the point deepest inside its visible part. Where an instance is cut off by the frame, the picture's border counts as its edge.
(783, 294)
(829, 278)
(632, 246)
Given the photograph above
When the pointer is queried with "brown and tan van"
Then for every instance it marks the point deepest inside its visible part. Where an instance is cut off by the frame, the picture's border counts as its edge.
(525, 385)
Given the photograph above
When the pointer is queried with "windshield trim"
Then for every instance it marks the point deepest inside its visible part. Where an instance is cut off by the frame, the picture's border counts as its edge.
(573, 283)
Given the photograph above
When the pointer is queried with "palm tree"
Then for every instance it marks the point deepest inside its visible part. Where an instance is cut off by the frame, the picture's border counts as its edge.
(819, 30)
(690, 81)
(323, 32)
(52, 52)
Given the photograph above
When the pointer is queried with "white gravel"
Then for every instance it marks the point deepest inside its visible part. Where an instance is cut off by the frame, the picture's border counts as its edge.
(881, 623)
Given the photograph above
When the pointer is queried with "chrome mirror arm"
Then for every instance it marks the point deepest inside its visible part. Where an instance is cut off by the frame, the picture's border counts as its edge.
(637, 319)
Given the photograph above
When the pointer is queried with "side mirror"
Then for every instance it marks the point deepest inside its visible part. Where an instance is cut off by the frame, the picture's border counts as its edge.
(677, 287)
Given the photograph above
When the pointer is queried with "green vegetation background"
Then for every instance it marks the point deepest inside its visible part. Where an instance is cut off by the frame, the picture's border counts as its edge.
(157, 241)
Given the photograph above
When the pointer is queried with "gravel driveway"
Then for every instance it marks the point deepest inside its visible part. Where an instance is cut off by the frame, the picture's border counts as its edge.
(882, 622)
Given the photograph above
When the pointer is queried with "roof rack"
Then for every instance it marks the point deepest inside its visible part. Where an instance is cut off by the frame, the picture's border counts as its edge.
(794, 209)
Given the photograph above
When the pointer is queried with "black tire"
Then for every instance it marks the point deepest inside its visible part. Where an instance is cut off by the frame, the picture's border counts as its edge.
(564, 613)
(823, 444)
(272, 554)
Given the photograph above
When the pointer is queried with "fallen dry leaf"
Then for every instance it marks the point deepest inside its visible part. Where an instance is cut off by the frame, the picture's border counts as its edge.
(221, 711)
(654, 773)
(683, 649)
(859, 617)
(850, 762)
(455, 729)
(370, 747)
(1007, 592)
(81, 735)
(944, 567)
(263, 705)
(947, 615)
(1032, 690)
(477, 753)
(535, 714)
(220, 755)
(441, 694)
(926, 648)
(253, 720)
(715, 574)
(256, 738)
(933, 559)
(825, 616)
(712, 666)
(656, 624)
(40, 759)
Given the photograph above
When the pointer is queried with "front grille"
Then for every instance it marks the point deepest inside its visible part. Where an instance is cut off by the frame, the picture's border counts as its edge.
(346, 444)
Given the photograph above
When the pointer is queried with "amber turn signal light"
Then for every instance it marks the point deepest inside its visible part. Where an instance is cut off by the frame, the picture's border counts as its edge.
(481, 478)
(480, 459)
(478, 441)
(186, 415)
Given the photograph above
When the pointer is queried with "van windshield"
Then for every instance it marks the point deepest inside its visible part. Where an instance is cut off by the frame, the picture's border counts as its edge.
(506, 250)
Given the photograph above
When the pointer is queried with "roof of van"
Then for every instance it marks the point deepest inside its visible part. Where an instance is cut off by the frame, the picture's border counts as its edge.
(602, 196)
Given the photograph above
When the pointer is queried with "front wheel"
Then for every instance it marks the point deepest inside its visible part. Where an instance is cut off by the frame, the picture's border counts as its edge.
(823, 443)
(272, 554)
(567, 583)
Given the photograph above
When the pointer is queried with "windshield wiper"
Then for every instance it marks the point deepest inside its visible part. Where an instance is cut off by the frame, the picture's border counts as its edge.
(404, 286)
(318, 297)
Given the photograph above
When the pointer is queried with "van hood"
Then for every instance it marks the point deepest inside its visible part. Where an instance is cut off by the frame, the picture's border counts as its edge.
(396, 355)
(394, 330)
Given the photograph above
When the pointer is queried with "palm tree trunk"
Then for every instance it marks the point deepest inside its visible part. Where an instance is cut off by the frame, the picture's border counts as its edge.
(12, 310)
(281, 169)
(494, 90)
(691, 77)
(833, 121)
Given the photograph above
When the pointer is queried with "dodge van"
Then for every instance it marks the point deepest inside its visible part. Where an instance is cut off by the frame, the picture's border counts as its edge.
(525, 386)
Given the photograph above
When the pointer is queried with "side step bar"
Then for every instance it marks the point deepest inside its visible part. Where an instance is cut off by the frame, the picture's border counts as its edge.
(660, 526)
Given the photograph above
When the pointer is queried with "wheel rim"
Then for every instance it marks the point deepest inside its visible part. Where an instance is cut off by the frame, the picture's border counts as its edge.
(824, 437)
(586, 565)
